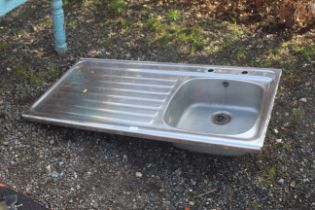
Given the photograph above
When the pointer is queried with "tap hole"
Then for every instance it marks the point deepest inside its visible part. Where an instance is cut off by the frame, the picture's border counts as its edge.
(210, 70)
(244, 72)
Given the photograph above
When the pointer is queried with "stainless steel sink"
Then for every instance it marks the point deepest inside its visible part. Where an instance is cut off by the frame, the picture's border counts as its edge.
(215, 106)
(203, 108)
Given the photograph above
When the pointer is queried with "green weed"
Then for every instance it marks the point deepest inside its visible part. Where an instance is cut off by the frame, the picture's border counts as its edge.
(240, 53)
(4, 45)
(173, 15)
(116, 7)
(2, 83)
(268, 176)
(38, 78)
(66, 2)
(298, 113)
(20, 71)
(236, 29)
(308, 52)
(256, 206)
(154, 24)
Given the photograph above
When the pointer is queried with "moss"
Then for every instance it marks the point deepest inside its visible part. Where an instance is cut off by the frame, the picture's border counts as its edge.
(193, 37)
(154, 24)
(122, 23)
(279, 57)
(20, 71)
(2, 83)
(240, 53)
(298, 113)
(181, 34)
(110, 39)
(46, 21)
(68, 2)
(272, 172)
(301, 50)
(9, 60)
(236, 30)
(116, 7)
(35, 79)
(4, 45)
(268, 176)
(256, 206)
(307, 51)
(40, 78)
(71, 24)
(52, 71)
(144, 14)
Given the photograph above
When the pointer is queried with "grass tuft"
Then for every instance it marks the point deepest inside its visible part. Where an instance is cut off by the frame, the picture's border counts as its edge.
(116, 7)
(173, 15)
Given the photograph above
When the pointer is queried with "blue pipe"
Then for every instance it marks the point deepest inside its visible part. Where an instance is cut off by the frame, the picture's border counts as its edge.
(59, 27)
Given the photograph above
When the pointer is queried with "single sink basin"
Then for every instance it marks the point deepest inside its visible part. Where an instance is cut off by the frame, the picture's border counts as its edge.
(209, 109)
(215, 106)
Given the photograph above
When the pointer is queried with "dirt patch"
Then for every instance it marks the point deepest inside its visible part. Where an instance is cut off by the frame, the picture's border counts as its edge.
(74, 169)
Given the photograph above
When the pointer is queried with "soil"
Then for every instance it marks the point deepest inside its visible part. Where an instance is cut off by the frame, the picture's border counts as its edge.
(65, 168)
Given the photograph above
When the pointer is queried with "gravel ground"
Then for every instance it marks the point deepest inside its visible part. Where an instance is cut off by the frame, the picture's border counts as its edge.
(66, 168)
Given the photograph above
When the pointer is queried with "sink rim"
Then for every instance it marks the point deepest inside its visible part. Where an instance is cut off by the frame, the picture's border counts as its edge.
(259, 85)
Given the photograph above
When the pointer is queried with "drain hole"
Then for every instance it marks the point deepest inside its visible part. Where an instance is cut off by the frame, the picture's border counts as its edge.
(225, 84)
(221, 118)
(244, 72)
(210, 70)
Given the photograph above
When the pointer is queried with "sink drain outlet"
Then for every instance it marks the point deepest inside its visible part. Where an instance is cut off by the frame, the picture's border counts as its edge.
(221, 118)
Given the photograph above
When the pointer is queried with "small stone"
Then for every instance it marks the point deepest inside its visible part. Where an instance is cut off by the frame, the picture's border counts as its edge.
(48, 168)
(279, 141)
(138, 174)
(191, 203)
(293, 184)
(51, 142)
(9, 69)
(178, 172)
(276, 131)
(6, 143)
(55, 174)
(281, 181)
(304, 100)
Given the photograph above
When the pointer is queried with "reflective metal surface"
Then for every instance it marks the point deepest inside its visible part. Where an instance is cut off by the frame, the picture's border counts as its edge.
(203, 108)
(207, 106)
